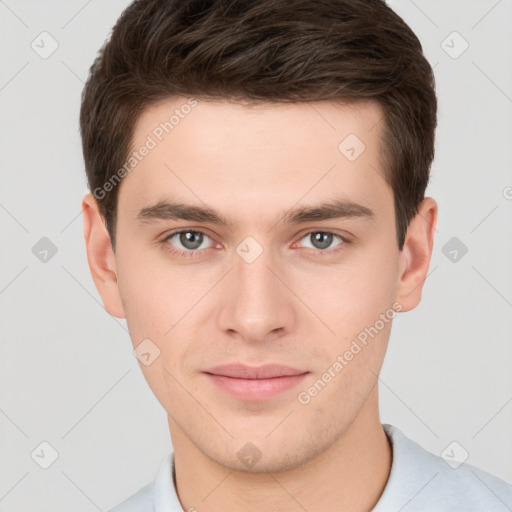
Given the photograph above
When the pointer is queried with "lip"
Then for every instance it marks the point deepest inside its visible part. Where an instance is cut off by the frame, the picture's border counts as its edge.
(243, 371)
(255, 383)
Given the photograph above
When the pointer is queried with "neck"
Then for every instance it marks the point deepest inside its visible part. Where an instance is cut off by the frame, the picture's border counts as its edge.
(350, 475)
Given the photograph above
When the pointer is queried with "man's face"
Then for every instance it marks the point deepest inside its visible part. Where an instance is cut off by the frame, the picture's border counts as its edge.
(261, 290)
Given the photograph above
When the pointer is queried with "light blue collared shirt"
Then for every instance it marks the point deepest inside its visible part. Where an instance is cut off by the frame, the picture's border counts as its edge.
(419, 481)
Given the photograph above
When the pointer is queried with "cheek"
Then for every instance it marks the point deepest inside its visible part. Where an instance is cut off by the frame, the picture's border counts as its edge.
(351, 297)
(144, 303)
(356, 303)
(155, 295)
(372, 283)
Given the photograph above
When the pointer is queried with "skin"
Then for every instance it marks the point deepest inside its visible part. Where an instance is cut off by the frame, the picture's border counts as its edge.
(293, 305)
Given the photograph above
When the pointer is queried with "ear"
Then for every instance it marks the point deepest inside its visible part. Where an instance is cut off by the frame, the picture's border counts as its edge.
(415, 255)
(100, 256)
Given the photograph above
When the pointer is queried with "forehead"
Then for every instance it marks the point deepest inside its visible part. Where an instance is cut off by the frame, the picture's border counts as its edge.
(247, 156)
(210, 124)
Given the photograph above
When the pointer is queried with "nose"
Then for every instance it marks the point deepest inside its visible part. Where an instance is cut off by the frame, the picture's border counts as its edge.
(256, 305)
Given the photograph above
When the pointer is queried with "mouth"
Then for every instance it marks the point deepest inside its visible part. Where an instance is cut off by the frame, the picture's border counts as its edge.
(255, 383)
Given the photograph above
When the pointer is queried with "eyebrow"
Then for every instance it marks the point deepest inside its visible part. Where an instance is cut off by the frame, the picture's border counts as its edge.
(335, 209)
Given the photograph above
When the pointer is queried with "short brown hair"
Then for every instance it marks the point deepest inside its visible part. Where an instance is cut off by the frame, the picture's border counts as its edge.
(263, 51)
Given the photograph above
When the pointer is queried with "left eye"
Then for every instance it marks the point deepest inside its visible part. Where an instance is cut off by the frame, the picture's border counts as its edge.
(322, 239)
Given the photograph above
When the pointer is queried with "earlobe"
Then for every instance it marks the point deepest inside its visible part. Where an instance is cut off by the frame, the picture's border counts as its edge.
(100, 256)
(416, 255)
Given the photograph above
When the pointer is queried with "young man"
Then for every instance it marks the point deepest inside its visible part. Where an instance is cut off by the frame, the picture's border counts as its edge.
(258, 172)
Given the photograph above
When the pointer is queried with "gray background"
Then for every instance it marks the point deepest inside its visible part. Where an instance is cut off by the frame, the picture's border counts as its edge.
(68, 376)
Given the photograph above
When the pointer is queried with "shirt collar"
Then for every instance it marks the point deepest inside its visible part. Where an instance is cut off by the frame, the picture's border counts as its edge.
(165, 495)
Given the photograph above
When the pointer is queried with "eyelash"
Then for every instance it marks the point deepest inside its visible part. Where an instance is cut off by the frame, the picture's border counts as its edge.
(192, 253)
